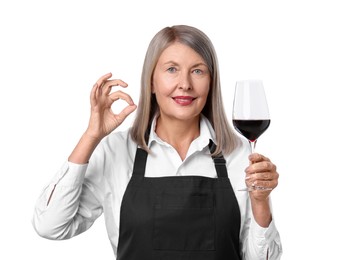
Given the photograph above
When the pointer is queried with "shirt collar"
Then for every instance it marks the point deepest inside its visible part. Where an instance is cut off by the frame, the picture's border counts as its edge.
(206, 133)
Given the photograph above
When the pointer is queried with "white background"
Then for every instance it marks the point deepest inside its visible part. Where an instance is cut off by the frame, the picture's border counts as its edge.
(52, 52)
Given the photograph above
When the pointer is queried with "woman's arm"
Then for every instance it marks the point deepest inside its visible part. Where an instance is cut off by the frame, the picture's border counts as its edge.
(70, 203)
(261, 175)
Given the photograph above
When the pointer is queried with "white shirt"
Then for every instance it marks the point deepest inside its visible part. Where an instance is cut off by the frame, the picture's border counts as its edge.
(79, 194)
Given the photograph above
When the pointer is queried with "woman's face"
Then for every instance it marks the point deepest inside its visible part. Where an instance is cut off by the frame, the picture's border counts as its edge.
(181, 82)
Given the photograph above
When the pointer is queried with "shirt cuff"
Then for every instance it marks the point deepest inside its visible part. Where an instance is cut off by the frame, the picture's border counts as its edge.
(268, 234)
(71, 174)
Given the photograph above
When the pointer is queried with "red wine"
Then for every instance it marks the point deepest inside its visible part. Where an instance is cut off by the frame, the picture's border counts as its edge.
(251, 129)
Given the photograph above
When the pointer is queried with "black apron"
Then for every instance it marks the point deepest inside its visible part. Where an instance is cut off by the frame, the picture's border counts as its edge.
(179, 217)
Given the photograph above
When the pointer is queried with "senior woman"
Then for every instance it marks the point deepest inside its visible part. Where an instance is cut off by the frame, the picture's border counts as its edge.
(170, 186)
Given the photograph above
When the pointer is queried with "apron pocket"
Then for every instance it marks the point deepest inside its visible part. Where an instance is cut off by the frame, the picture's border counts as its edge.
(184, 221)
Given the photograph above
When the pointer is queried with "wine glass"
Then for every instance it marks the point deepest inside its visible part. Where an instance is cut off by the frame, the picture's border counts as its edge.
(250, 112)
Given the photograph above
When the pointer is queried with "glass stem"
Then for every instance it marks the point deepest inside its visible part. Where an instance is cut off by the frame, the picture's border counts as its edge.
(253, 145)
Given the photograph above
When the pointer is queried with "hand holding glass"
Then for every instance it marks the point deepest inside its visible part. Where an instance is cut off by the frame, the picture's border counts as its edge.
(250, 112)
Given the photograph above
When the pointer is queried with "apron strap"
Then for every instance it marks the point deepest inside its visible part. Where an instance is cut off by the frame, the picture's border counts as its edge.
(219, 161)
(140, 162)
(141, 156)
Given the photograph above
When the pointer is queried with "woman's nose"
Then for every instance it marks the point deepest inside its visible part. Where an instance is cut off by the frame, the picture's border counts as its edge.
(185, 81)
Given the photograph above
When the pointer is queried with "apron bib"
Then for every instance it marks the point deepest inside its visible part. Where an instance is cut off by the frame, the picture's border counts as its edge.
(179, 217)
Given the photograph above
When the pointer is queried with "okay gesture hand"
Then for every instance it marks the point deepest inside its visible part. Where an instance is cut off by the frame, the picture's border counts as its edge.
(103, 120)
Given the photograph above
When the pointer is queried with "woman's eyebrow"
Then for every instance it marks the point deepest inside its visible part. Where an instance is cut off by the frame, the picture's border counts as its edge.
(199, 64)
(176, 63)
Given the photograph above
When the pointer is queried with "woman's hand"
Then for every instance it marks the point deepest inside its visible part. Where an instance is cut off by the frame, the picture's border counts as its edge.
(260, 175)
(103, 120)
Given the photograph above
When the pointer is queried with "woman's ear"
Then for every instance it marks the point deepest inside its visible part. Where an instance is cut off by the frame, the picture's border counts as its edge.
(152, 89)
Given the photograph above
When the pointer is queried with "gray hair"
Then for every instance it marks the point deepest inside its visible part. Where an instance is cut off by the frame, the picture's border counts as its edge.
(213, 109)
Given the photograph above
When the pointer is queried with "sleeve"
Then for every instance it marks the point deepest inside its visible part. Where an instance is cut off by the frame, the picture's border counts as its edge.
(260, 243)
(257, 243)
(69, 204)
(265, 241)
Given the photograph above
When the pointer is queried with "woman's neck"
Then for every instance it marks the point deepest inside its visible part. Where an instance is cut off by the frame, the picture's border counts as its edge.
(178, 133)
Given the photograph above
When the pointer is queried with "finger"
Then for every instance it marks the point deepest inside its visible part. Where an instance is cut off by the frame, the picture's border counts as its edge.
(261, 176)
(256, 157)
(263, 166)
(107, 86)
(121, 95)
(261, 179)
(104, 78)
(125, 113)
(94, 94)
(97, 86)
(265, 184)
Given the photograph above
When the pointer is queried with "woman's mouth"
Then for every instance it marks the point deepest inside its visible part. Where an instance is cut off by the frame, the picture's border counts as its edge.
(183, 100)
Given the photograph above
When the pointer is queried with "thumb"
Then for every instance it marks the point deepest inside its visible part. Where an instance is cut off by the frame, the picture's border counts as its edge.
(125, 113)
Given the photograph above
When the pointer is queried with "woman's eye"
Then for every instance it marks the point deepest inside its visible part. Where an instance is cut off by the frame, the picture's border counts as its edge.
(171, 69)
(198, 71)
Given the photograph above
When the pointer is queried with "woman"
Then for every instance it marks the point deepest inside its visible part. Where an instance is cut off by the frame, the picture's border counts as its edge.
(170, 187)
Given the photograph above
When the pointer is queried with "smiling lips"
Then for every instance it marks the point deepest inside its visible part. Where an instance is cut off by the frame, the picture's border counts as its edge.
(183, 100)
